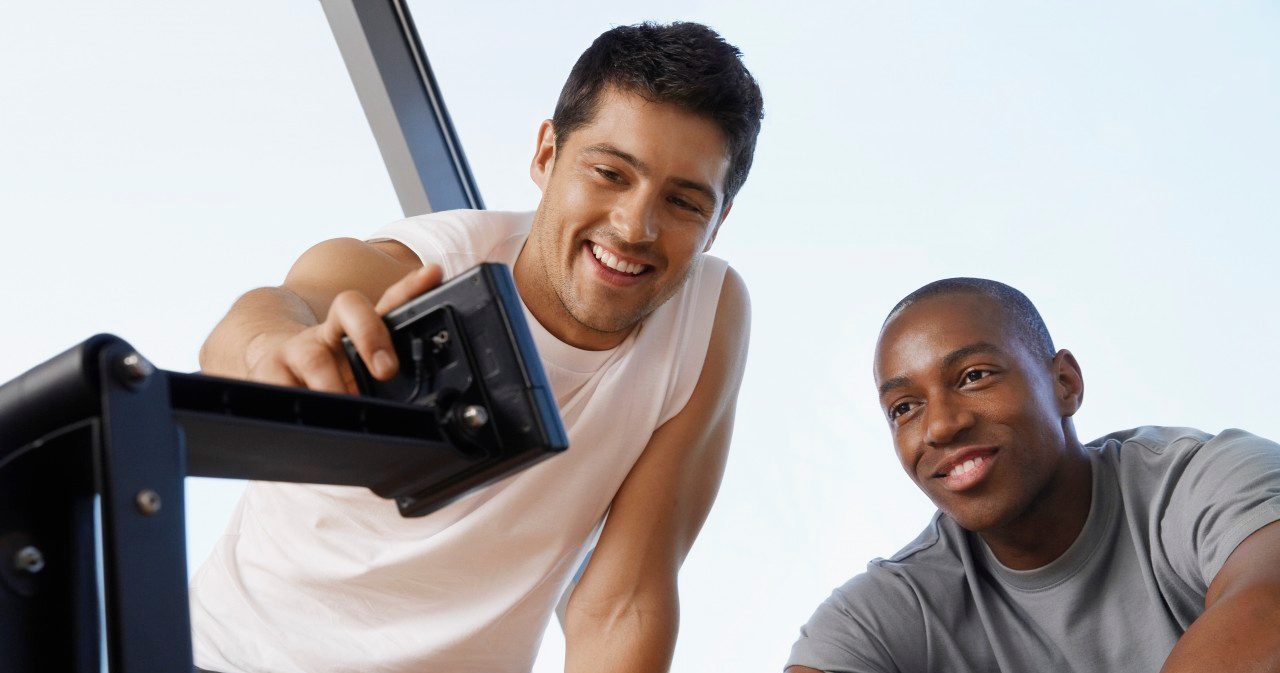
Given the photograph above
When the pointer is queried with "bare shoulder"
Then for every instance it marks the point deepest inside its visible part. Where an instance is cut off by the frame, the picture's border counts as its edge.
(732, 330)
(734, 295)
(339, 254)
(340, 264)
(726, 357)
(398, 251)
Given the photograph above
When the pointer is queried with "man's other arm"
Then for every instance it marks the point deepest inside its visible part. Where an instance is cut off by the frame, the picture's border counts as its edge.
(624, 614)
(291, 335)
(1239, 629)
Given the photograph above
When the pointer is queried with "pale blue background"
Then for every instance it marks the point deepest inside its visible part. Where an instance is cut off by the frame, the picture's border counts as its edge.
(1116, 161)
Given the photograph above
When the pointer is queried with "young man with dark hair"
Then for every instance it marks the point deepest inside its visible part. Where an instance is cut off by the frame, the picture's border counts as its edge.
(1149, 549)
(643, 337)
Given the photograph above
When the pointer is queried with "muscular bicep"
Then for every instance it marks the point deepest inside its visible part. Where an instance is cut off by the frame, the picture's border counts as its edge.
(342, 264)
(1222, 532)
(1254, 565)
(1240, 627)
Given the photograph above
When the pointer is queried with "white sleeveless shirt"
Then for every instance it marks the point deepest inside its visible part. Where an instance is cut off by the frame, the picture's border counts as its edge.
(317, 579)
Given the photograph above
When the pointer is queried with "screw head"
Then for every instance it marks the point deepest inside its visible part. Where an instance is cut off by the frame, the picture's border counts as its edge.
(135, 369)
(440, 338)
(148, 502)
(474, 416)
(29, 559)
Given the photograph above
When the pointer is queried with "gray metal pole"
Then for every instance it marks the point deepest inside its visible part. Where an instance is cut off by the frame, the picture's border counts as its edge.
(402, 101)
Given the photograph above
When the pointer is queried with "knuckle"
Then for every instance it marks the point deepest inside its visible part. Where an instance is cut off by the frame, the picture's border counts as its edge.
(367, 331)
(310, 356)
(271, 372)
(349, 300)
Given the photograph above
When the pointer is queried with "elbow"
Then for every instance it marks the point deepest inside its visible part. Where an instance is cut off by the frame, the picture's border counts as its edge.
(205, 356)
(653, 609)
(219, 354)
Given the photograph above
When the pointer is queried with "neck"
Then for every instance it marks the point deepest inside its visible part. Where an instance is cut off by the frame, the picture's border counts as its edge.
(547, 308)
(1047, 528)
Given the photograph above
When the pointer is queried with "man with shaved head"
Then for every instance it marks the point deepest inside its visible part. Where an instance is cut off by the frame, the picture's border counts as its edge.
(1148, 549)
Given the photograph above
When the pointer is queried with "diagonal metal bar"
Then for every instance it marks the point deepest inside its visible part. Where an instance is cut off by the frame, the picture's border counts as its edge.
(393, 79)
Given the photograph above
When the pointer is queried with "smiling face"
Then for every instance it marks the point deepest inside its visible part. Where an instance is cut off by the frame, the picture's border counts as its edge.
(980, 420)
(629, 202)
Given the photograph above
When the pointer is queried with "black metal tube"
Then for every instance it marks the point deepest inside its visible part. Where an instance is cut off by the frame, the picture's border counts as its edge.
(55, 393)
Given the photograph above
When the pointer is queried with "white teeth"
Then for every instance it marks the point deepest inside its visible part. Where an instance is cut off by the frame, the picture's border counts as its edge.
(966, 466)
(610, 260)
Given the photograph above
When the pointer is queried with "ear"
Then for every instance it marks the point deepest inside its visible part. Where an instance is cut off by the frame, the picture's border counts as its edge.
(544, 155)
(1068, 383)
(715, 230)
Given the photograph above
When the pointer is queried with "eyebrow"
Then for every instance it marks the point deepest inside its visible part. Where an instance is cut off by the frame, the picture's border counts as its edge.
(973, 349)
(895, 382)
(947, 363)
(699, 187)
(645, 170)
(633, 160)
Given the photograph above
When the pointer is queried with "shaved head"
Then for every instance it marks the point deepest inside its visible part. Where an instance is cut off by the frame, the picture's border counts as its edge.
(965, 369)
(1022, 316)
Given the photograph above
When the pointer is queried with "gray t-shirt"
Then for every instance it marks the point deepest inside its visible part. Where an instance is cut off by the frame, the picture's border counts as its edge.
(1169, 506)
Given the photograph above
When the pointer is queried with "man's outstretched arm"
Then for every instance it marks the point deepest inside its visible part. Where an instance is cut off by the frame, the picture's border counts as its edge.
(291, 335)
(623, 616)
(1239, 629)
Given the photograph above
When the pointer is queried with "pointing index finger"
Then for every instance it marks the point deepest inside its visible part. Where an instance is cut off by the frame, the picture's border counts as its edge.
(413, 284)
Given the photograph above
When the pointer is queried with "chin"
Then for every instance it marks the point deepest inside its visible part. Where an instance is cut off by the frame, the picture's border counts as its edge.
(978, 516)
(972, 523)
(599, 312)
(608, 323)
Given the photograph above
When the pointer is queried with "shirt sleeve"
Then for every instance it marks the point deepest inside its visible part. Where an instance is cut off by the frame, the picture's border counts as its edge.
(1228, 488)
(850, 631)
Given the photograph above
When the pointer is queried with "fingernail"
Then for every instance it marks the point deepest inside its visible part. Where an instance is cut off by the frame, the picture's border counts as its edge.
(383, 363)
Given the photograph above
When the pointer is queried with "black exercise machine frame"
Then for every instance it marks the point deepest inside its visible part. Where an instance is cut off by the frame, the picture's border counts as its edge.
(131, 434)
(99, 419)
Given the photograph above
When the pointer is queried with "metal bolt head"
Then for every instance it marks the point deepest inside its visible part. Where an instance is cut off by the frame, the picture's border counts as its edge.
(29, 559)
(135, 369)
(474, 416)
(148, 502)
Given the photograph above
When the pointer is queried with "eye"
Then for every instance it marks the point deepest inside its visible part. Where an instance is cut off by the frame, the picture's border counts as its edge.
(681, 202)
(901, 408)
(609, 174)
(975, 375)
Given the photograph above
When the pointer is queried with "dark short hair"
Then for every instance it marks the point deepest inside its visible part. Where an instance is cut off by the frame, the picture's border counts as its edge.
(1022, 314)
(683, 63)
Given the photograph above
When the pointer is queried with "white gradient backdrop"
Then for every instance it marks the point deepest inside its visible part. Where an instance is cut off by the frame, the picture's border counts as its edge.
(1118, 163)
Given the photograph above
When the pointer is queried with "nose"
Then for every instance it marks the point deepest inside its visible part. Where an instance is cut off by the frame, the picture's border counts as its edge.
(634, 217)
(946, 421)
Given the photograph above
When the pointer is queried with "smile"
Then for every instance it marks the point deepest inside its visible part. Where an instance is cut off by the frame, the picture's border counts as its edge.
(616, 262)
(614, 268)
(966, 470)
